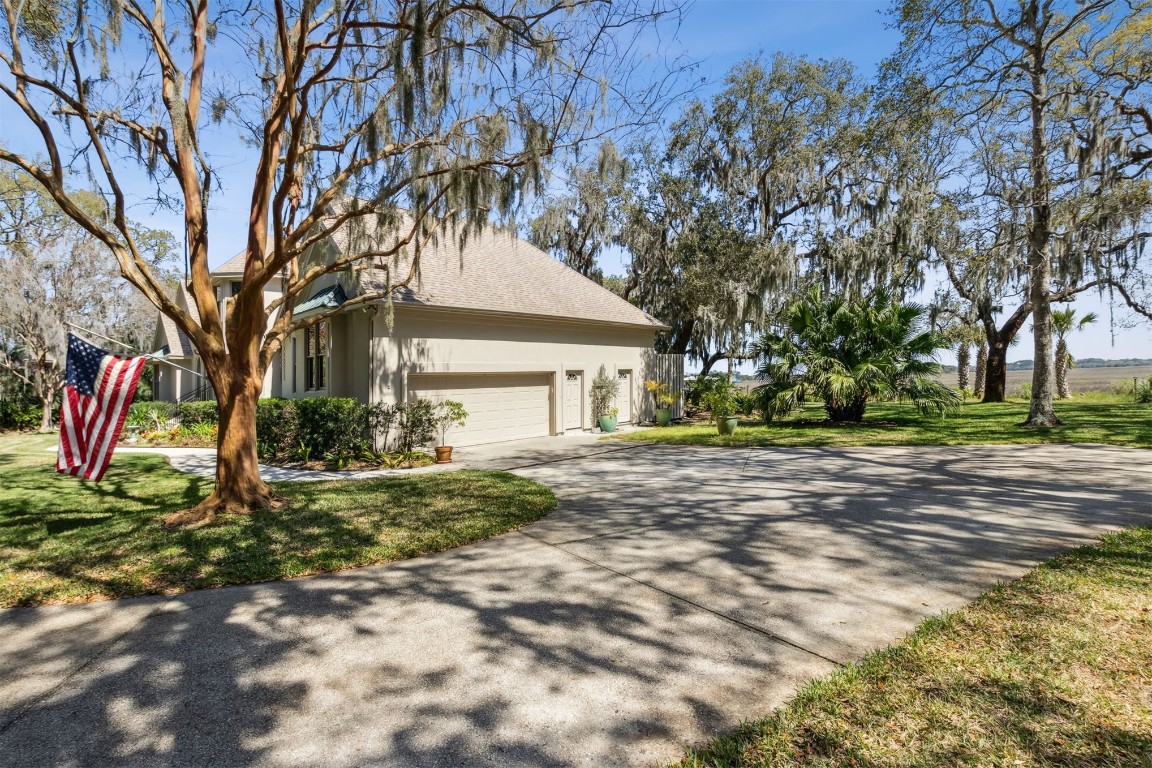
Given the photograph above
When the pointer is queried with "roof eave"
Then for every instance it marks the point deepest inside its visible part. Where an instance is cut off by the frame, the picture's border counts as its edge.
(654, 326)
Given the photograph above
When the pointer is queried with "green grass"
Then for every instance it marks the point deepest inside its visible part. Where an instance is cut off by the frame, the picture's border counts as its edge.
(63, 540)
(1101, 419)
(1052, 670)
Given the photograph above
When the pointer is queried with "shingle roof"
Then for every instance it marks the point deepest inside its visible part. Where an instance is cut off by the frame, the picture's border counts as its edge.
(178, 344)
(234, 267)
(496, 271)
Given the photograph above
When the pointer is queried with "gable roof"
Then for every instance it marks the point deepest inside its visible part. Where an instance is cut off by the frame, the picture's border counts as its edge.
(234, 267)
(495, 271)
(178, 344)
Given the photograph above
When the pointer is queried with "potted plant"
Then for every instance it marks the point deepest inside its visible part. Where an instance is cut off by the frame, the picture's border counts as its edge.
(449, 413)
(724, 406)
(603, 393)
(662, 401)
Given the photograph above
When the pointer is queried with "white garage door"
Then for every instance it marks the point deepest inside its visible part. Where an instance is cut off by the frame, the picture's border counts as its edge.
(500, 406)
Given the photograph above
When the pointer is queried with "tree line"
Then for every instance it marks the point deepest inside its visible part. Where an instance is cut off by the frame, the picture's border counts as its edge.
(1002, 150)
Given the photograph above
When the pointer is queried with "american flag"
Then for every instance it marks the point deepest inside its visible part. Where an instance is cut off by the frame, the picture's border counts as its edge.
(97, 392)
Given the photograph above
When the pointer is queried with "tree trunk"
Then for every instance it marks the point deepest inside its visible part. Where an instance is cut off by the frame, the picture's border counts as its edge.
(237, 378)
(996, 373)
(1040, 411)
(996, 362)
(709, 361)
(681, 337)
(46, 416)
(981, 372)
(239, 488)
(852, 411)
(963, 360)
(1062, 370)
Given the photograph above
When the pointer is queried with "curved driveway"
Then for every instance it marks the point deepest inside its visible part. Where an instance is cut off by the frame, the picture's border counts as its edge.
(675, 592)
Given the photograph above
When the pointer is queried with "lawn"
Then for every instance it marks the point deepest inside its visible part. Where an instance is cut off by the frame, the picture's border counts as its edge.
(1051, 670)
(63, 540)
(1100, 419)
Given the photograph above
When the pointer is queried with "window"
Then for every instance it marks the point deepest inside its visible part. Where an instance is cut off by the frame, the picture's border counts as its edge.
(236, 286)
(316, 356)
(293, 365)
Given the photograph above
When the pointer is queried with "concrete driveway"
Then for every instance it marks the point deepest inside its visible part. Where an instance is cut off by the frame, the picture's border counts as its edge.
(675, 592)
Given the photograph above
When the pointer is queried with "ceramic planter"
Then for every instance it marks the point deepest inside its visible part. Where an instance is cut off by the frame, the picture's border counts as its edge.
(607, 423)
(727, 426)
(663, 416)
(444, 454)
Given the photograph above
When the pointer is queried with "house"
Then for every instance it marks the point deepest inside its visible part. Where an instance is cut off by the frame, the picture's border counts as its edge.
(496, 324)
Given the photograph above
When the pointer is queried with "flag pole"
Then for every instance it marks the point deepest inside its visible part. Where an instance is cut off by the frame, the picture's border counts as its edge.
(149, 355)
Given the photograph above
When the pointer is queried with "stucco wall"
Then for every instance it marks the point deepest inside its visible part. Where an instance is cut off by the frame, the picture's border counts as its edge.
(426, 340)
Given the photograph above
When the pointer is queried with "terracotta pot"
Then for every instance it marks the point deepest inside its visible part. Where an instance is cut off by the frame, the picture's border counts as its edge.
(443, 454)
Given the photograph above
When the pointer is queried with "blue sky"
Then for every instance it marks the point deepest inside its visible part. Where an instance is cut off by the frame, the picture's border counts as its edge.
(719, 33)
(715, 33)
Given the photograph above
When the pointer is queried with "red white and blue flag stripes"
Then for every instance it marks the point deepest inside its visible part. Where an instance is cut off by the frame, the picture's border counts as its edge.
(97, 392)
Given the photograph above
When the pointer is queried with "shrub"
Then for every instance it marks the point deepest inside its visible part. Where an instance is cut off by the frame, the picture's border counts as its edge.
(1144, 391)
(746, 402)
(416, 424)
(15, 414)
(722, 402)
(602, 393)
(1023, 390)
(381, 417)
(198, 411)
(703, 385)
(332, 425)
(201, 431)
(150, 415)
(277, 427)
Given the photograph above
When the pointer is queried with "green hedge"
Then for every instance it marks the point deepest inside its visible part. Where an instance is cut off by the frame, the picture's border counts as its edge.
(277, 429)
(316, 426)
(332, 425)
(198, 412)
(15, 414)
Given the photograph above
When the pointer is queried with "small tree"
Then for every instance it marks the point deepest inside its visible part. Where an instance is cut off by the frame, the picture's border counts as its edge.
(847, 352)
(449, 413)
(1063, 324)
(603, 393)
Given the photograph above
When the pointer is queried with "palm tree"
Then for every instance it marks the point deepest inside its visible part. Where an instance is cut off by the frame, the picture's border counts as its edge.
(981, 370)
(847, 352)
(1063, 324)
(968, 336)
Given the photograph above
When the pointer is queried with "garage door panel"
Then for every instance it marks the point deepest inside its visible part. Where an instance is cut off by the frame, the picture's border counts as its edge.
(500, 406)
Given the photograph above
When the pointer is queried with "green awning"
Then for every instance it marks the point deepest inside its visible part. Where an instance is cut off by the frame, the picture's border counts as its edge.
(329, 298)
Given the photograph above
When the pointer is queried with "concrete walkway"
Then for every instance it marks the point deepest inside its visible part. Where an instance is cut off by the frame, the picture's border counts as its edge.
(502, 456)
(675, 592)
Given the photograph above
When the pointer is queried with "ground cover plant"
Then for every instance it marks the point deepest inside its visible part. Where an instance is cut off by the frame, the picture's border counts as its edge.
(1099, 419)
(63, 540)
(1052, 670)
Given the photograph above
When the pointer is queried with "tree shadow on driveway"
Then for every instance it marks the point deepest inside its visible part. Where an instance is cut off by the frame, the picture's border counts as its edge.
(674, 593)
